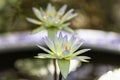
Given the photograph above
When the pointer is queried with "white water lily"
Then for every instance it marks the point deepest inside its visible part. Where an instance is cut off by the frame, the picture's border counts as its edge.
(64, 50)
(51, 18)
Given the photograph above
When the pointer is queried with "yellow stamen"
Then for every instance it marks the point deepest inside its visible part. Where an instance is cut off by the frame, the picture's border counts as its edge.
(67, 47)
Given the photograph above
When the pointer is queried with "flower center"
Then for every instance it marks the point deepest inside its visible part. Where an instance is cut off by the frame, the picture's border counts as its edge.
(67, 48)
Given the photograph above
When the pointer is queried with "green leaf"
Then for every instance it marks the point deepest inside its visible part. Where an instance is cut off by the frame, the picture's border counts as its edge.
(38, 29)
(64, 67)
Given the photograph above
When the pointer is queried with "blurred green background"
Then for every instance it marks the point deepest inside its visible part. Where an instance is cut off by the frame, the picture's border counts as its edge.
(93, 14)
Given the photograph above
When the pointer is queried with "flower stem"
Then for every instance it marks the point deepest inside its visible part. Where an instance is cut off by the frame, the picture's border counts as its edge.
(55, 72)
(60, 76)
(52, 32)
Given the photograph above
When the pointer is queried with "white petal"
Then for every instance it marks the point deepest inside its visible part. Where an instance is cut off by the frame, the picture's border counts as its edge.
(50, 44)
(65, 25)
(43, 15)
(72, 16)
(43, 55)
(68, 14)
(51, 10)
(76, 45)
(37, 13)
(81, 51)
(62, 10)
(33, 21)
(49, 7)
(68, 29)
(48, 51)
(81, 58)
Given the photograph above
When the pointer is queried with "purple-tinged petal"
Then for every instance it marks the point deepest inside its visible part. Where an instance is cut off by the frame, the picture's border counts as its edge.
(49, 44)
(72, 40)
(60, 35)
(66, 53)
(65, 39)
(76, 46)
(58, 45)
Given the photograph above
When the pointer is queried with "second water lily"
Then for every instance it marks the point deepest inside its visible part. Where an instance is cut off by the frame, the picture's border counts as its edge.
(53, 19)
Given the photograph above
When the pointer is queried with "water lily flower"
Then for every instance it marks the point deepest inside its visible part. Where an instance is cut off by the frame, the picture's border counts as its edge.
(63, 49)
(52, 19)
